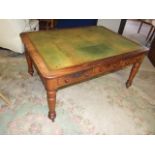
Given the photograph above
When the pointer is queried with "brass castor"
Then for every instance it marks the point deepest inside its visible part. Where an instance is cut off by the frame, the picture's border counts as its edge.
(128, 84)
(52, 116)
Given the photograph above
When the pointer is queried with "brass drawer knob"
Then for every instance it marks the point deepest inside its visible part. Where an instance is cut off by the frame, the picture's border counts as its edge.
(66, 80)
(100, 69)
(87, 75)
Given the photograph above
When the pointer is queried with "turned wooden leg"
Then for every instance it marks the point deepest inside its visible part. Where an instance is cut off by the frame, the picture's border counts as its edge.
(133, 72)
(51, 97)
(29, 62)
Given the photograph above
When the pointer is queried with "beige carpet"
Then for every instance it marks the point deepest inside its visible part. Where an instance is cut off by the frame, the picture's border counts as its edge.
(99, 106)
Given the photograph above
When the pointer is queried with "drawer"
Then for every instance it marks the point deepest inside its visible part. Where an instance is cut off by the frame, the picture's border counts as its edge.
(107, 68)
(104, 68)
(130, 61)
(75, 77)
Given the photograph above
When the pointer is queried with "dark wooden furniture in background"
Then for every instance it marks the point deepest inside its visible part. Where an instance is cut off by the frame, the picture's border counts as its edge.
(46, 24)
(67, 56)
(122, 26)
(148, 22)
(151, 53)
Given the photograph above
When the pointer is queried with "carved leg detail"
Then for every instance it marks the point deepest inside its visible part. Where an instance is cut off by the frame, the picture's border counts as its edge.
(51, 97)
(133, 72)
(29, 62)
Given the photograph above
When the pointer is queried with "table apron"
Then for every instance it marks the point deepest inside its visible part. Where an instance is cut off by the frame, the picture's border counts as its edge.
(96, 70)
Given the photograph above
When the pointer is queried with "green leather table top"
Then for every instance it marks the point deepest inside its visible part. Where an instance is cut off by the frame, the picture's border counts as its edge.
(69, 47)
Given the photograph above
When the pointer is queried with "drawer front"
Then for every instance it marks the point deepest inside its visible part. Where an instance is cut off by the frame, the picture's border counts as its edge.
(131, 60)
(75, 77)
(105, 68)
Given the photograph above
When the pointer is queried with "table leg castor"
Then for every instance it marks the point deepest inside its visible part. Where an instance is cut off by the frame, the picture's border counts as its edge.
(52, 116)
(133, 72)
(128, 84)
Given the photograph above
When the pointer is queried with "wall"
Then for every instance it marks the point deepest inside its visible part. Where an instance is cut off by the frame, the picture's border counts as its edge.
(10, 30)
(112, 24)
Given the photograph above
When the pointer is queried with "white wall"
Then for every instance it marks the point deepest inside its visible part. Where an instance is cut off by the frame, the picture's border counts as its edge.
(112, 24)
(10, 30)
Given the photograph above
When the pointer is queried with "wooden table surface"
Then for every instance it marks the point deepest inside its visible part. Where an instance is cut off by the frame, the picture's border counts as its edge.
(70, 47)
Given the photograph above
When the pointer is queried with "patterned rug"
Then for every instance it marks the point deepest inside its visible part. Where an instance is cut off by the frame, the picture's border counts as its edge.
(99, 106)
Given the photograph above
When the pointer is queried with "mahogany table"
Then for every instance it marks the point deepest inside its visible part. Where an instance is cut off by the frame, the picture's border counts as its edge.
(67, 56)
